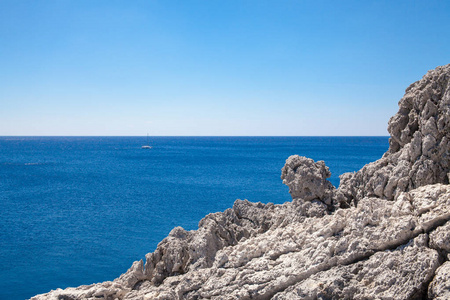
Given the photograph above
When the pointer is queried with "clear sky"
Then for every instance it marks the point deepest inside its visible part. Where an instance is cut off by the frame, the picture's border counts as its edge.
(213, 67)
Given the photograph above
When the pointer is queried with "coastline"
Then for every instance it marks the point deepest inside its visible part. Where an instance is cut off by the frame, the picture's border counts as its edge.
(383, 233)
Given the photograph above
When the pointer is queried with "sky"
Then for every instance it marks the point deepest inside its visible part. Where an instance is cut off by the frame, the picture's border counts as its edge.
(213, 68)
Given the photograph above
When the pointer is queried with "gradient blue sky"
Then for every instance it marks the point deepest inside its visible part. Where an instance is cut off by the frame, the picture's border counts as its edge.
(213, 67)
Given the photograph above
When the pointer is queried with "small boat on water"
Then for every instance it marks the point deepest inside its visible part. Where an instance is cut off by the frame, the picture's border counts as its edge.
(148, 145)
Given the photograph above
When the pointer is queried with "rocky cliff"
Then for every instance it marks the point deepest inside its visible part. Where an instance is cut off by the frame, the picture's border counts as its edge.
(384, 234)
(419, 147)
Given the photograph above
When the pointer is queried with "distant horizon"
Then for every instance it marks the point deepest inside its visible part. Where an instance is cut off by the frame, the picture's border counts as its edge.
(213, 68)
(194, 136)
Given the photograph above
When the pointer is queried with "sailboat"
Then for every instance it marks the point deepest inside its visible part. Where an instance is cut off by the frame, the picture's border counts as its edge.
(148, 144)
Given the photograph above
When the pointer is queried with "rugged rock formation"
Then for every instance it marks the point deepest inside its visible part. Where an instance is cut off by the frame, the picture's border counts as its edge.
(307, 180)
(440, 286)
(384, 234)
(419, 147)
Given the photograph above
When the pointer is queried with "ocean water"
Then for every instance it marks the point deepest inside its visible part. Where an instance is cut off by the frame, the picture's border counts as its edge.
(79, 210)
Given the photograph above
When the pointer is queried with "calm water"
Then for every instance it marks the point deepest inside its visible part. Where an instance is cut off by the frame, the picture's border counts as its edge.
(79, 210)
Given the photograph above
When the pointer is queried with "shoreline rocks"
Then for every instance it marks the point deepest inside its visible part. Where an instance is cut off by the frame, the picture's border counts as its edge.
(419, 146)
(383, 234)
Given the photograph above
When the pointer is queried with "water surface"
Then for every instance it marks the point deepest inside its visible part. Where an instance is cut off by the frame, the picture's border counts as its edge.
(79, 210)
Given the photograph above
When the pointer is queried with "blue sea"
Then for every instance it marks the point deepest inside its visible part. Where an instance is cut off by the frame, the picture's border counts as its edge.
(79, 210)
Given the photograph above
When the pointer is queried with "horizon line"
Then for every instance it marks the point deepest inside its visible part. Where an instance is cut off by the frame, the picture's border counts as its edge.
(195, 135)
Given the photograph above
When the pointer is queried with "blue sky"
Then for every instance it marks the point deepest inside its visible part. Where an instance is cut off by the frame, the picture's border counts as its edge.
(213, 67)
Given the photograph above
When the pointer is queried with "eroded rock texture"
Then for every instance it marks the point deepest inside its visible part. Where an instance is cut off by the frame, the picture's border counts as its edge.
(384, 234)
(419, 150)
(440, 286)
(307, 180)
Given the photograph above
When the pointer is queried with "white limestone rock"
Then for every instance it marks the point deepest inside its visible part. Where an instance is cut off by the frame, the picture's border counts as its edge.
(392, 274)
(439, 288)
(419, 151)
(440, 239)
(307, 182)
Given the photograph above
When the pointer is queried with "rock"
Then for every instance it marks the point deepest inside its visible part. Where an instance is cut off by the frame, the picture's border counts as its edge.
(382, 276)
(439, 288)
(384, 234)
(440, 239)
(307, 180)
(419, 151)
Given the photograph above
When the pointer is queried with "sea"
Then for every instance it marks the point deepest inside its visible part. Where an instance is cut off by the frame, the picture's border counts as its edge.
(80, 210)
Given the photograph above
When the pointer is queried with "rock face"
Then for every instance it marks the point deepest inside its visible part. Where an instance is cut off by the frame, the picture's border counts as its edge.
(384, 234)
(419, 147)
